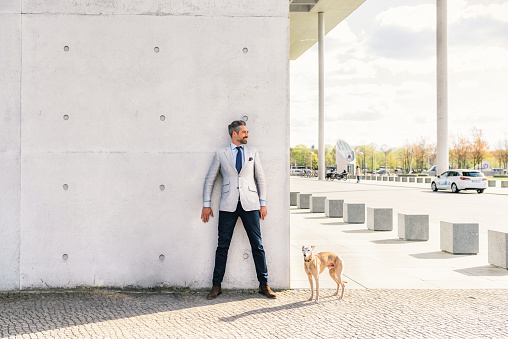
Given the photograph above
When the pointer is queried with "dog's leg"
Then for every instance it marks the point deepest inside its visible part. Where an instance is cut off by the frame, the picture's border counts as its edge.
(311, 286)
(316, 277)
(333, 274)
(339, 269)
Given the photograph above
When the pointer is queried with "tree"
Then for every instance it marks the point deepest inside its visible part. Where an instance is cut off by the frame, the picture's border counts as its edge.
(501, 154)
(478, 148)
(330, 156)
(421, 152)
(460, 152)
(407, 153)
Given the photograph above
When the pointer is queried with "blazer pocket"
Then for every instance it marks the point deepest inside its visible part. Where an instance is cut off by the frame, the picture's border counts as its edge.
(253, 189)
(225, 187)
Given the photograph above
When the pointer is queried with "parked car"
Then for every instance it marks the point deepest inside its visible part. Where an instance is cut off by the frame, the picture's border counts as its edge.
(460, 179)
(382, 172)
(431, 171)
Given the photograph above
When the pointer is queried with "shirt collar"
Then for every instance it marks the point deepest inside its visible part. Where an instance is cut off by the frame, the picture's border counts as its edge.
(233, 146)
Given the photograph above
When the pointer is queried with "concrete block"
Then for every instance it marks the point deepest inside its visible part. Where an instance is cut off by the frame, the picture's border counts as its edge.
(428, 180)
(419, 180)
(392, 179)
(498, 248)
(317, 204)
(492, 183)
(385, 178)
(334, 208)
(379, 219)
(404, 179)
(354, 213)
(504, 183)
(397, 179)
(378, 178)
(459, 238)
(412, 179)
(413, 227)
(303, 200)
(293, 198)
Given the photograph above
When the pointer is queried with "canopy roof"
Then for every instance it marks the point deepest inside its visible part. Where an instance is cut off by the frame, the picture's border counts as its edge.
(303, 19)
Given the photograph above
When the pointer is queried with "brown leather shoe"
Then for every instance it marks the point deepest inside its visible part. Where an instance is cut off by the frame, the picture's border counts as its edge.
(214, 292)
(266, 291)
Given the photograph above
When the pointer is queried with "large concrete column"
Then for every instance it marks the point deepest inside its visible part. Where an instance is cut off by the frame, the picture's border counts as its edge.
(442, 87)
(321, 135)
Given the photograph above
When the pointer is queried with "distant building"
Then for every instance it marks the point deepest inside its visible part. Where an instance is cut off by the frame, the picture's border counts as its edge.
(345, 157)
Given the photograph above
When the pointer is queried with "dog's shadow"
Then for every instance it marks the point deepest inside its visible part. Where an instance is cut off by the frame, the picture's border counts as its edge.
(285, 307)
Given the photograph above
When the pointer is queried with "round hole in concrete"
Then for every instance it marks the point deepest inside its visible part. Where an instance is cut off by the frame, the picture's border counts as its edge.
(156, 49)
(65, 257)
(162, 187)
(65, 187)
(66, 117)
(162, 257)
(66, 48)
(163, 117)
(245, 49)
(245, 118)
(245, 256)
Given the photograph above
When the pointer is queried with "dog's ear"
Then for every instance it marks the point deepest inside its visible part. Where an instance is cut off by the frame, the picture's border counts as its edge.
(303, 247)
(312, 247)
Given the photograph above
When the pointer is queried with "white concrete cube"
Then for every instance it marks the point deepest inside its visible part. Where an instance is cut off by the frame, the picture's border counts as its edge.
(379, 219)
(404, 179)
(397, 179)
(413, 227)
(428, 180)
(317, 204)
(354, 213)
(293, 198)
(303, 200)
(412, 179)
(492, 183)
(334, 208)
(392, 179)
(504, 183)
(385, 178)
(459, 238)
(419, 180)
(498, 248)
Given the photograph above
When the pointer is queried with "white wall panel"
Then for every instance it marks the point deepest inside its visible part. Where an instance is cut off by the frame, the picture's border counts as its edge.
(10, 62)
(114, 151)
(10, 6)
(161, 7)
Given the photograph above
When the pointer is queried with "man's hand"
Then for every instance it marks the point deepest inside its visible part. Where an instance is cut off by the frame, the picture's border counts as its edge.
(262, 212)
(205, 214)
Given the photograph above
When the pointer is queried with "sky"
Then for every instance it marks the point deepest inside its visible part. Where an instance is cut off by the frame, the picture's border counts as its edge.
(380, 75)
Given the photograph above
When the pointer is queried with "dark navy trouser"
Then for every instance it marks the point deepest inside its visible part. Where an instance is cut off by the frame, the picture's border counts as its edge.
(227, 222)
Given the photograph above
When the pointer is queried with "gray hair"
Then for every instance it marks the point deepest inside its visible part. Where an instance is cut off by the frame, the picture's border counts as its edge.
(235, 126)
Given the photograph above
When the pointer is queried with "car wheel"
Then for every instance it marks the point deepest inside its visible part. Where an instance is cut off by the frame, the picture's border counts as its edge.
(480, 191)
(434, 187)
(454, 188)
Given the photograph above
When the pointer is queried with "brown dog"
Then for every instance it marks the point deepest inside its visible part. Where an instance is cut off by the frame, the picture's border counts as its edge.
(316, 264)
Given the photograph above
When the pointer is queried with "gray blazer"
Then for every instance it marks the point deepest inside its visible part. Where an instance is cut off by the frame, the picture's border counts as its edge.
(248, 186)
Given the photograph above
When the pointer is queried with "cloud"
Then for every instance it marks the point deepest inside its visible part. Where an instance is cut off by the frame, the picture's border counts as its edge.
(412, 18)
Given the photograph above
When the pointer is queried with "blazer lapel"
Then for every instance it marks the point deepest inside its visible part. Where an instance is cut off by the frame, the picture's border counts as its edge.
(229, 156)
(247, 155)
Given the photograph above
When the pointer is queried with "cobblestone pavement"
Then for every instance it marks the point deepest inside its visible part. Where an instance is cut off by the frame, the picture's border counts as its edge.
(245, 314)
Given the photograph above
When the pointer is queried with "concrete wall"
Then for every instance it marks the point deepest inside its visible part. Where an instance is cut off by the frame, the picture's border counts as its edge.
(85, 149)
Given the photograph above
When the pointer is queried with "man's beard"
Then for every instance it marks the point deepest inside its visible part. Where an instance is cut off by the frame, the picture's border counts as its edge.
(242, 141)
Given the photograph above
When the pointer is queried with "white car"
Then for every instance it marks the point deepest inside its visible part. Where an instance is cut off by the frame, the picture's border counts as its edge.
(460, 179)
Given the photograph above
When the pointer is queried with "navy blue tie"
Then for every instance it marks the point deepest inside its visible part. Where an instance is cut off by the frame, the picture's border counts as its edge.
(239, 159)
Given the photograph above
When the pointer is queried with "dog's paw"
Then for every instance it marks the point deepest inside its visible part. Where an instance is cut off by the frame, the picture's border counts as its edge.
(317, 301)
(310, 299)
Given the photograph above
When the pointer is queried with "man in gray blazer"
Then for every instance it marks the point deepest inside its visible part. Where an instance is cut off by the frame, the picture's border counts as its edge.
(243, 195)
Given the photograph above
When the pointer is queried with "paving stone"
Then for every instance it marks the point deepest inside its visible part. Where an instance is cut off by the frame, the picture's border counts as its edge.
(376, 313)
